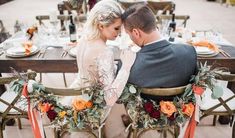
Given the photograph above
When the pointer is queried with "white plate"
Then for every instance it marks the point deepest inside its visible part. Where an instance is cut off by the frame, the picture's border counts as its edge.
(19, 51)
(204, 50)
(73, 52)
(208, 55)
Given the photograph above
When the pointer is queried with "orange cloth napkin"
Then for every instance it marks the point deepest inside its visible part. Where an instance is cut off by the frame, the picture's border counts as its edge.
(208, 44)
(28, 46)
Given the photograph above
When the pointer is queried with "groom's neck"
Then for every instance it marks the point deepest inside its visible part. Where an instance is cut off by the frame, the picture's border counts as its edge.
(152, 37)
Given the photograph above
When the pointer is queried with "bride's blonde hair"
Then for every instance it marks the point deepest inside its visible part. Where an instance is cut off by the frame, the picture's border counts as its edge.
(104, 13)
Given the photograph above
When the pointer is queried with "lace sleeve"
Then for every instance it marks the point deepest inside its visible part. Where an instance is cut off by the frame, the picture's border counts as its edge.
(113, 86)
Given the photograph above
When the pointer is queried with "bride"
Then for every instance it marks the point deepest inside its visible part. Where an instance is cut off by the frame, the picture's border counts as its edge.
(95, 59)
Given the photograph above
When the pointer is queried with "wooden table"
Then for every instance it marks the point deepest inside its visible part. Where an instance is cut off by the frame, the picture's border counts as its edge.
(52, 62)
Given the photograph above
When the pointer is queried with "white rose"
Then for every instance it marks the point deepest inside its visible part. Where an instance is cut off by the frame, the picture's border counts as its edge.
(132, 89)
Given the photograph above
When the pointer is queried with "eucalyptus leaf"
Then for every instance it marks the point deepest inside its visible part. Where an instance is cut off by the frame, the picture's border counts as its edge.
(80, 125)
(98, 101)
(125, 96)
(57, 109)
(196, 79)
(21, 82)
(217, 92)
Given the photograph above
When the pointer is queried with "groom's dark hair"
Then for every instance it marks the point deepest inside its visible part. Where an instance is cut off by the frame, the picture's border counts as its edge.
(139, 16)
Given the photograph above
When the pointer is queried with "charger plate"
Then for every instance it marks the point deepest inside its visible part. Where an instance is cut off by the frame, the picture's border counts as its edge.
(17, 51)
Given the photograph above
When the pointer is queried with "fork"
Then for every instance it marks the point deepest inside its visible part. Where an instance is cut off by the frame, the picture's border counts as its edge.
(225, 54)
(42, 53)
(66, 50)
(1, 52)
(64, 53)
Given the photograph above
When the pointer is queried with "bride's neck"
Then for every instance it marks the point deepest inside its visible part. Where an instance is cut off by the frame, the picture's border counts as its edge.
(99, 41)
(103, 38)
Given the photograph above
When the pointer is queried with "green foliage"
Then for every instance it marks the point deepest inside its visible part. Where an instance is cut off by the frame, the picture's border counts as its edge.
(91, 117)
(205, 78)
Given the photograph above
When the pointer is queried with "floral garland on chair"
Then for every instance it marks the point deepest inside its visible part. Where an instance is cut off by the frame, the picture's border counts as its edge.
(82, 114)
(152, 114)
(148, 114)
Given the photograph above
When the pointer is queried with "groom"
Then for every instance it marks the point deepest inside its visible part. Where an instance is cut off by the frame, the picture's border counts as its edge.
(159, 63)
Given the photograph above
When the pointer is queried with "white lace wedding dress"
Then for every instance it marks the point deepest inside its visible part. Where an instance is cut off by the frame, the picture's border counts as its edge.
(98, 66)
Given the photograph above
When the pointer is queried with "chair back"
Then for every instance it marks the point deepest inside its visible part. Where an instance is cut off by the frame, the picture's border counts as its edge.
(70, 5)
(164, 6)
(12, 106)
(62, 18)
(9, 98)
(181, 20)
(222, 106)
(11, 103)
(42, 18)
(226, 77)
(164, 91)
(126, 4)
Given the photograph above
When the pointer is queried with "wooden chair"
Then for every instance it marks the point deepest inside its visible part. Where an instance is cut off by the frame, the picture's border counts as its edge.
(70, 5)
(10, 104)
(164, 6)
(224, 105)
(66, 92)
(11, 110)
(40, 18)
(80, 6)
(63, 18)
(126, 4)
(164, 92)
(181, 20)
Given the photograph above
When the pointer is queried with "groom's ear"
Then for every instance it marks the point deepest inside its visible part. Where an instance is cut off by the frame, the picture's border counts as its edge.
(136, 32)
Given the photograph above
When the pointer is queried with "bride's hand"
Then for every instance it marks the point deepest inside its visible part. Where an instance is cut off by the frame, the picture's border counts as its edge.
(128, 58)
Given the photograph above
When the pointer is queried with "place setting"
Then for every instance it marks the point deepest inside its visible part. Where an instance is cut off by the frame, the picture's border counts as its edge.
(22, 50)
(205, 52)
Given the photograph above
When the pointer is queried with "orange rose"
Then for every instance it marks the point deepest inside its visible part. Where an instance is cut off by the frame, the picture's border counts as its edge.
(89, 104)
(45, 107)
(188, 109)
(79, 104)
(198, 90)
(167, 107)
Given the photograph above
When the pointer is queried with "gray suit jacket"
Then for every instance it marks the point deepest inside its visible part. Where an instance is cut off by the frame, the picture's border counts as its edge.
(163, 65)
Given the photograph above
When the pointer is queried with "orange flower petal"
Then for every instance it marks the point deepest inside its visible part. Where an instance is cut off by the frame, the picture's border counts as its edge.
(79, 104)
(188, 109)
(89, 104)
(167, 108)
(45, 107)
(198, 90)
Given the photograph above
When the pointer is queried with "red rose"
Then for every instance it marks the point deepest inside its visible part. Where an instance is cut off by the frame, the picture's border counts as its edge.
(172, 117)
(51, 114)
(155, 114)
(148, 107)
